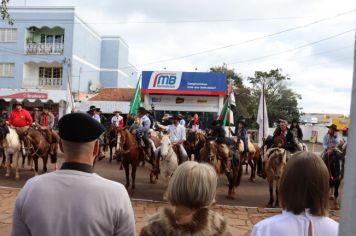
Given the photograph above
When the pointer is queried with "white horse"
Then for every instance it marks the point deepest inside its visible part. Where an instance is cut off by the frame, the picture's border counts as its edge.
(12, 148)
(169, 160)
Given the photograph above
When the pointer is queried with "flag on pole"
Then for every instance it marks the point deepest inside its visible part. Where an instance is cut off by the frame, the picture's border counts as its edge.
(226, 116)
(136, 99)
(69, 101)
(262, 120)
(232, 95)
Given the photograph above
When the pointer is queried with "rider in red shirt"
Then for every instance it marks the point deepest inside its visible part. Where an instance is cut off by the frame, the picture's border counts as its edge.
(21, 120)
(20, 117)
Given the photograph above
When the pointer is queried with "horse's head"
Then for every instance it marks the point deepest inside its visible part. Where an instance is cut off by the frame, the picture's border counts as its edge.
(212, 150)
(121, 138)
(4, 129)
(166, 146)
(278, 161)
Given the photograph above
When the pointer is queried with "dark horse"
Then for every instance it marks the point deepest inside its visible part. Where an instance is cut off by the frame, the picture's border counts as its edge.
(195, 141)
(219, 155)
(39, 147)
(335, 161)
(110, 141)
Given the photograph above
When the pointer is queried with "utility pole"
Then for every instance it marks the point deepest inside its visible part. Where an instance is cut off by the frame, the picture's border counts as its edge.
(80, 71)
(348, 207)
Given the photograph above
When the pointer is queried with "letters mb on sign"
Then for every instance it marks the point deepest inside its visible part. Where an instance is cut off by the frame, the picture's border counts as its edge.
(165, 80)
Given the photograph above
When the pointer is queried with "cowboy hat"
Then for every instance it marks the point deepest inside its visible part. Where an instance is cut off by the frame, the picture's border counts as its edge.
(242, 121)
(166, 116)
(281, 120)
(36, 109)
(117, 112)
(175, 117)
(18, 103)
(142, 110)
(92, 108)
(333, 126)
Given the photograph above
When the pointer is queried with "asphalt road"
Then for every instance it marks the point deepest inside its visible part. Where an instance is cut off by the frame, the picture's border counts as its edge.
(247, 194)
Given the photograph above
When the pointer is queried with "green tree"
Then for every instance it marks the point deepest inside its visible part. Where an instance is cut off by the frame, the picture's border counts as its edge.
(281, 101)
(4, 12)
(242, 93)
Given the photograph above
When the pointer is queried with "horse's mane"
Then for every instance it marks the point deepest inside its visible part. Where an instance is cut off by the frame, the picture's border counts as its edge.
(192, 136)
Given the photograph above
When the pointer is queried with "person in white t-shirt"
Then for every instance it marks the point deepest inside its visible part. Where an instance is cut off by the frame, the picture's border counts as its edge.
(304, 196)
(177, 136)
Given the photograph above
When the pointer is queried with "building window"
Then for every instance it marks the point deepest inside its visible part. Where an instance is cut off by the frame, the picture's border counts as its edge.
(52, 38)
(8, 35)
(7, 70)
(50, 72)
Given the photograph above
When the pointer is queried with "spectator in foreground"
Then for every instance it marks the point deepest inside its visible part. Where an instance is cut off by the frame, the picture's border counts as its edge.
(74, 200)
(303, 192)
(191, 192)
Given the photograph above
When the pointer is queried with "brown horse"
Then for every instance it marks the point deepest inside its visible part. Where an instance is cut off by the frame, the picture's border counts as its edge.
(39, 148)
(275, 161)
(110, 141)
(220, 156)
(195, 141)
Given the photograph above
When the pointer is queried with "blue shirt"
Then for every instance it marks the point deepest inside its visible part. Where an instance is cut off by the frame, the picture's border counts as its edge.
(330, 141)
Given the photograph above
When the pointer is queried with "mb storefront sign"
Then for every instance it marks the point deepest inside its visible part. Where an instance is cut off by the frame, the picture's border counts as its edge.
(184, 91)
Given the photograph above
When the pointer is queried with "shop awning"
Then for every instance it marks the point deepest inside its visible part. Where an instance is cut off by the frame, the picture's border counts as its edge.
(33, 95)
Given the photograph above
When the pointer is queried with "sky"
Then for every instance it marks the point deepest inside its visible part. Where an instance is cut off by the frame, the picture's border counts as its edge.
(316, 50)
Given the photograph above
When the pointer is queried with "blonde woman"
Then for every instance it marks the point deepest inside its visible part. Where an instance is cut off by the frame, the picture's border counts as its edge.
(191, 192)
(304, 196)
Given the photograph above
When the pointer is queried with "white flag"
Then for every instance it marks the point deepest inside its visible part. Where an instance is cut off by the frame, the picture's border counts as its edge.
(232, 95)
(69, 101)
(260, 116)
(230, 117)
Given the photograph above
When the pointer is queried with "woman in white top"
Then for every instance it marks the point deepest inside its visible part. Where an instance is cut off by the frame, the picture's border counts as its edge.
(303, 193)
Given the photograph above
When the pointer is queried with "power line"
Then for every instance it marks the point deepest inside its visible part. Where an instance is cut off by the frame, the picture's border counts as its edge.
(293, 49)
(244, 42)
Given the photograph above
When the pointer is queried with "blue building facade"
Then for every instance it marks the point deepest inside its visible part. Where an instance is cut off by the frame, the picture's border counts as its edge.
(50, 48)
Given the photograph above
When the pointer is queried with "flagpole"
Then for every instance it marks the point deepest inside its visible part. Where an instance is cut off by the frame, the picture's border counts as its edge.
(263, 121)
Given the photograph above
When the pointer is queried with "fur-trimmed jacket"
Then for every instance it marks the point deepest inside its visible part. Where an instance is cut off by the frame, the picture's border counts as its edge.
(205, 223)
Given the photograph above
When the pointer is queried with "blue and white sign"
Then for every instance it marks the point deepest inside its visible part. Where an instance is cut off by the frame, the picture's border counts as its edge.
(193, 83)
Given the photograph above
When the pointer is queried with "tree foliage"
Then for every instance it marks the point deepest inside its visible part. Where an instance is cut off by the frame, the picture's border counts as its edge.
(4, 12)
(282, 102)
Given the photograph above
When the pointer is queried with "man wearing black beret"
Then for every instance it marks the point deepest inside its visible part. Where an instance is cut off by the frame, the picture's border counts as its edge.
(74, 200)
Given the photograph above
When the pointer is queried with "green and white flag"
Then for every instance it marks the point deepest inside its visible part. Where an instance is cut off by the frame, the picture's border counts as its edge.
(136, 99)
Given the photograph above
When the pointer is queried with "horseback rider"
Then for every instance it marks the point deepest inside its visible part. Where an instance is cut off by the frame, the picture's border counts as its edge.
(218, 132)
(297, 133)
(46, 123)
(117, 120)
(93, 113)
(177, 136)
(285, 135)
(36, 116)
(241, 134)
(182, 121)
(331, 140)
(21, 120)
(103, 119)
(195, 124)
(141, 132)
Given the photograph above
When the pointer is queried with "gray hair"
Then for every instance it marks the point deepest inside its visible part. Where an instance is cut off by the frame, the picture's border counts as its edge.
(193, 185)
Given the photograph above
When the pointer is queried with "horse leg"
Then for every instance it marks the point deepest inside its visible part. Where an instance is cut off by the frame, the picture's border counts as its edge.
(133, 175)
(252, 176)
(110, 159)
(336, 194)
(8, 165)
(44, 159)
(127, 173)
(277, 200)
(271, 200)
(35, 160)
(17, 158)
(231, 185)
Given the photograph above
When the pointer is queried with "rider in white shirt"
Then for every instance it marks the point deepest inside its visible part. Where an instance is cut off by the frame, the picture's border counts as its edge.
(117, 120)
(177, 136)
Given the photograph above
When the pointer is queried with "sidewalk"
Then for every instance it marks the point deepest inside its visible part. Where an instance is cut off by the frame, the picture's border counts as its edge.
(240, 219)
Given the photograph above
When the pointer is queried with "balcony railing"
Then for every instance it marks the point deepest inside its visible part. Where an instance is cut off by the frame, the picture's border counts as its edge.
(50, 82)
(45, 48)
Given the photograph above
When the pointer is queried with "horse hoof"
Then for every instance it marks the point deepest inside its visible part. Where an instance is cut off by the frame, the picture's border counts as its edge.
(7, 175)
(269, 205)
(331, 198)
(337, 206)
(17, 177)
(252, 180)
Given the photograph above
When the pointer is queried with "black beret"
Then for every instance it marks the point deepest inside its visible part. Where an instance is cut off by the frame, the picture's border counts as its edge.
(79, 128)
